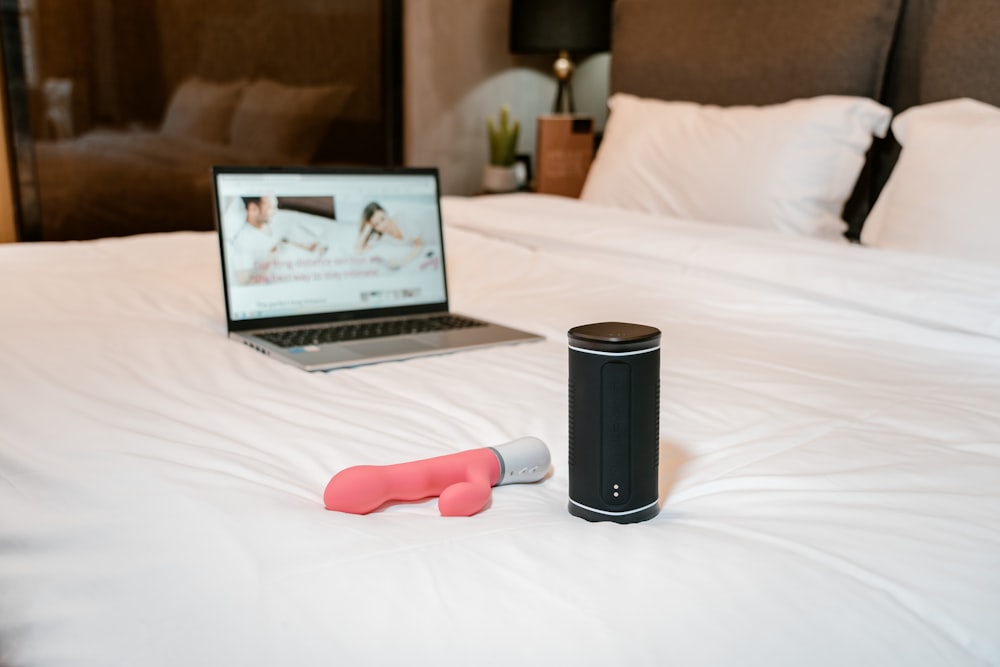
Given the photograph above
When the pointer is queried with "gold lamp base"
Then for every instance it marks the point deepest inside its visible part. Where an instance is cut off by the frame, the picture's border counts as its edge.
(563, 68)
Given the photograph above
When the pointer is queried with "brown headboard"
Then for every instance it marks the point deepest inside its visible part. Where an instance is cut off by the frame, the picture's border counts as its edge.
(899, 52)
(725, 52)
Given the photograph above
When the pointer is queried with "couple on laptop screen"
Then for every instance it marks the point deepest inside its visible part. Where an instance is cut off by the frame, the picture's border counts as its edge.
(313, 243)
(307, 247)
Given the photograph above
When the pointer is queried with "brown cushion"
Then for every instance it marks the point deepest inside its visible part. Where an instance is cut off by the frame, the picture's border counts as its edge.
(202, 110)
(278, 122)
(727, 53)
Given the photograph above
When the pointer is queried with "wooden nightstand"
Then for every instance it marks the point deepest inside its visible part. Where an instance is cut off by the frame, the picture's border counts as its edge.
(565, 151)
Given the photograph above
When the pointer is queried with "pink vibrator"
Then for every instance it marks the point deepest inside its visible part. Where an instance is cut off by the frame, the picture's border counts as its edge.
(462, 481)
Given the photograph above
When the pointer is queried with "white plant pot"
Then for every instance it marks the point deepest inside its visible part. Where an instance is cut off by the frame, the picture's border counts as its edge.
(499, 179)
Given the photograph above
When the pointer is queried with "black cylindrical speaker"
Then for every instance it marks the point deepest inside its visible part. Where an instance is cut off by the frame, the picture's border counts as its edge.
(614, 421)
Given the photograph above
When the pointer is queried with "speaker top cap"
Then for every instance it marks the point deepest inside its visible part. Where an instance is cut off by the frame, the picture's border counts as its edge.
(614, 336)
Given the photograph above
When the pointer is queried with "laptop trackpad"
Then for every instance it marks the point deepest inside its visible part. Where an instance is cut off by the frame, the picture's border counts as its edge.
(384, 348)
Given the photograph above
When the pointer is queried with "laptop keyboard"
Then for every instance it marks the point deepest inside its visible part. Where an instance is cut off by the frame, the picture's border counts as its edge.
(364, 330)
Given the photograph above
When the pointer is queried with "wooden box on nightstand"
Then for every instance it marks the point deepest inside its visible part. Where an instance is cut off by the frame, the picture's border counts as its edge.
(564, 152)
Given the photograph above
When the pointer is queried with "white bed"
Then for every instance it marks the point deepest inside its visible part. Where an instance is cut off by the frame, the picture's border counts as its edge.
(829, 469)
(829, 456)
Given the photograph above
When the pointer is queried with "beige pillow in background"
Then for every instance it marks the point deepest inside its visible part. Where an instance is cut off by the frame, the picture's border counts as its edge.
(275, 121)
(202, 110)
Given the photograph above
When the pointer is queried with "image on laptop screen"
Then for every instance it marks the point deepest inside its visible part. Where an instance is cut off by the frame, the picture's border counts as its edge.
(312, 243)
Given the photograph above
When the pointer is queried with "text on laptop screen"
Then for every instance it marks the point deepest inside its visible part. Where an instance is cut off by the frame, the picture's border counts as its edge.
(304, 244)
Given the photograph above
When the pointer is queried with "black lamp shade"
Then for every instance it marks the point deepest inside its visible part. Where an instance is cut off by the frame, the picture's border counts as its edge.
(551, 26)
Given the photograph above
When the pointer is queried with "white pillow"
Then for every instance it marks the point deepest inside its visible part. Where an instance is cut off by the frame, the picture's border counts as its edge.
(202, 110)
(943, 195)
(278, 122)
(788, 167)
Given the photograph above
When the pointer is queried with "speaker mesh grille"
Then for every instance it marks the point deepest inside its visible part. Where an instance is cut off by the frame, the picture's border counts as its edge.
(572, 411)
(656, 448)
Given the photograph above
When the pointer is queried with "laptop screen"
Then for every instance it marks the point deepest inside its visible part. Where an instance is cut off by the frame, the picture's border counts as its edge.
(325, 241)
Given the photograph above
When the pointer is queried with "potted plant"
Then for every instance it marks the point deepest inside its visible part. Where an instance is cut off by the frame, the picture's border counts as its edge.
(499, 175)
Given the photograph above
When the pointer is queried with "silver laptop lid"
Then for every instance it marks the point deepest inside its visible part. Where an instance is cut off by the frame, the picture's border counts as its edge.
(303, 245)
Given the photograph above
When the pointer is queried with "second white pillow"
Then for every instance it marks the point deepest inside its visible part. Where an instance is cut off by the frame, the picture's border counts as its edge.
(943, 195)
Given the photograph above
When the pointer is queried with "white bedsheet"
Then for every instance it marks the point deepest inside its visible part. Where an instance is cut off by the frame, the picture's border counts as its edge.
(830, 460)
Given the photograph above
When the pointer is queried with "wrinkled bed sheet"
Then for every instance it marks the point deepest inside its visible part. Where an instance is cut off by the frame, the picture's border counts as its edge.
(830, 452)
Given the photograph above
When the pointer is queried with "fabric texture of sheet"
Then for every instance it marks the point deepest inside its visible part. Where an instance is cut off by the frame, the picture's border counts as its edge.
(829, 434)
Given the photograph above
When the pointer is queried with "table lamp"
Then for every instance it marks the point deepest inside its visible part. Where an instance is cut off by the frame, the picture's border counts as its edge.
(564, 27)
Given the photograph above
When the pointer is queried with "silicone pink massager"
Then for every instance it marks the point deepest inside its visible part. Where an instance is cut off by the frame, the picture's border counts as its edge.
(462, 481)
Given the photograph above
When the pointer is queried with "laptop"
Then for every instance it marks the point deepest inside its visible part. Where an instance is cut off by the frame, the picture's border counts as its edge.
(327, 268)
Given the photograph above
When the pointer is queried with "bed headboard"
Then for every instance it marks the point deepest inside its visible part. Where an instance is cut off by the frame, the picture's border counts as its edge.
(899, 52)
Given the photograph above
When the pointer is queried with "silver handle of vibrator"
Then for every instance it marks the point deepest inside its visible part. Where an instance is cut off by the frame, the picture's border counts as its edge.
(523, 460)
